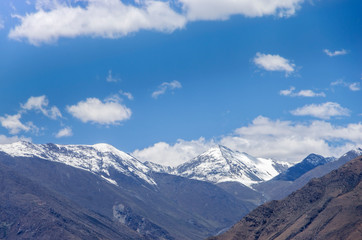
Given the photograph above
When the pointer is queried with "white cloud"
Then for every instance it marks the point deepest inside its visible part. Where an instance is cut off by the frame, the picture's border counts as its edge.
(290, 141)
(166, 86)
(47, 4)
(173, 155)
(100, 18)
(223, 9)
(6, 140)
(335, 53)
(111, 78)
(273, 63)
(323, 111)
(65, 132)
(282, 140)
(14, 125)
(40, 104)
(126, 94)
(355, 86)
(302, 93)
(54, 19)
(110, 111)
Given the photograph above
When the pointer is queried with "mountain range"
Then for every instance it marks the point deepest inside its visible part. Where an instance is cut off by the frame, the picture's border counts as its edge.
(113, 190)
(326, 208)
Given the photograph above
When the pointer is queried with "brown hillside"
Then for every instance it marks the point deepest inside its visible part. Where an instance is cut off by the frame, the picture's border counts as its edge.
(329, 207)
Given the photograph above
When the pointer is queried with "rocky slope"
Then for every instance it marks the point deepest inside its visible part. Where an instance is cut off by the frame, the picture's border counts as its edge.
(326, 208)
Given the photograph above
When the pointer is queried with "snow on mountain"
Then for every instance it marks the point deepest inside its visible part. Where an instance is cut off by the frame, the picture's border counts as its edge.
(158, 167)
(98, 158)
(317, 160)
(357, 152)
(221, 164)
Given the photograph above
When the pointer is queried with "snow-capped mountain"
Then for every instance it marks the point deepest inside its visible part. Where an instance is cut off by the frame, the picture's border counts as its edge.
(99, 159)
(221, 164)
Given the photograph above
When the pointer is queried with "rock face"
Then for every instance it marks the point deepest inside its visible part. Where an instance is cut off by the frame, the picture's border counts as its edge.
(329, 207)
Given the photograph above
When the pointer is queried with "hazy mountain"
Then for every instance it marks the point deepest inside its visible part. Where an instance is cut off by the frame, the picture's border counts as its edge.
(310, 162)
(221, 164)
(326, 208)
(276, 188)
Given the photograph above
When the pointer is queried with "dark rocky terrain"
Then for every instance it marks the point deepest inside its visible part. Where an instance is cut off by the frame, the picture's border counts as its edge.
(329, 207)
(30, 211)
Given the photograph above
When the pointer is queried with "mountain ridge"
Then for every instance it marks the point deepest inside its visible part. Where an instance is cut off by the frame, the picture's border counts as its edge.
(307, 164)
(326, 208)
(98, 158)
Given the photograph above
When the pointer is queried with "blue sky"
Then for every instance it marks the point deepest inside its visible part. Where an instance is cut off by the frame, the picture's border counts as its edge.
(166, 80)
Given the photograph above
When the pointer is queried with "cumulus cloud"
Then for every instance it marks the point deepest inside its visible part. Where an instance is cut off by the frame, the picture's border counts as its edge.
(223, 9)
(270, 62)
(323, 111)
(14, 125)
(282, 140)
(302, 93)
(116, 18)
(291, 141)
(335, 53)
(40, 104)
(65, 132)
(99, 18)
(166, 86)
(109, 111)
(173, 155)
(355, 86)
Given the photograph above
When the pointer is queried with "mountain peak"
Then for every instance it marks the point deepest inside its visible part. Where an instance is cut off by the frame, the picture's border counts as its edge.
(314, 159)
(310, 162)
(358, 151)
(221, 164)
(105, 147)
